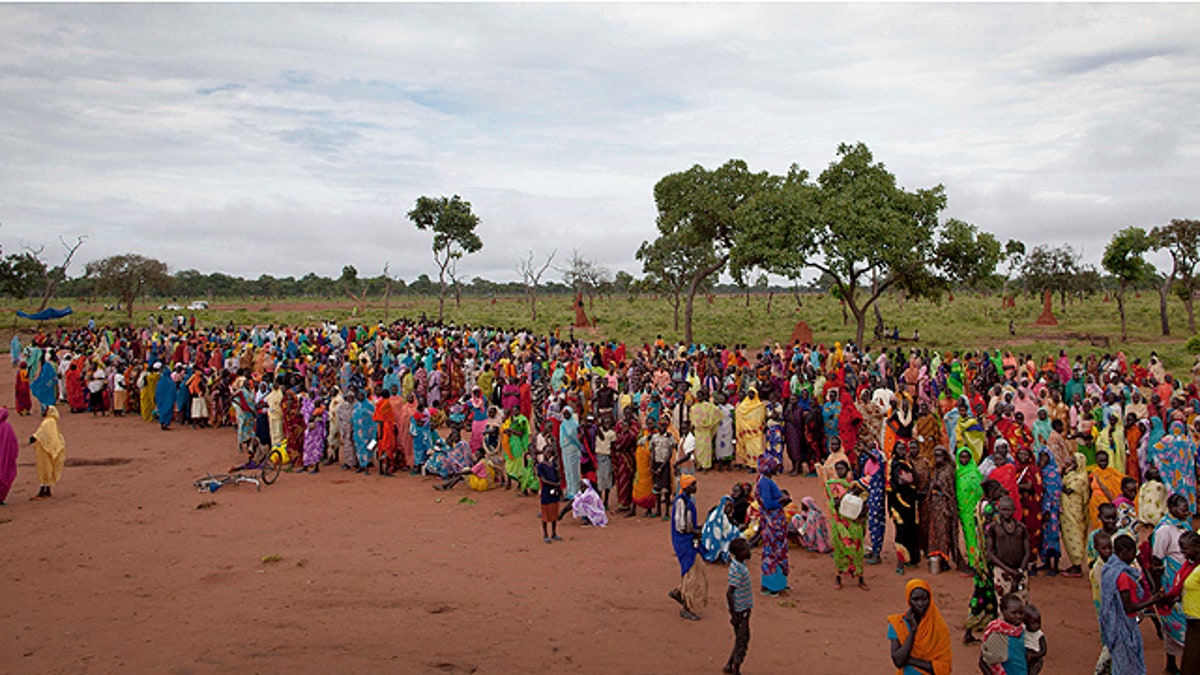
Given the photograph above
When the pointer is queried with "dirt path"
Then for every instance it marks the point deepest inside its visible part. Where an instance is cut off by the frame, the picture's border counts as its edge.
(121, 571)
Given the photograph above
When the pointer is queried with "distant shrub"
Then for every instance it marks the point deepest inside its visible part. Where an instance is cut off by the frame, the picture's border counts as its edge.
(1193, 345)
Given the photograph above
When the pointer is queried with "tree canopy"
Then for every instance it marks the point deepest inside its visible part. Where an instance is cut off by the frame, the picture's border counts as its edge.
(453, 225)
(1124, 258)
(699, 208)
(127, 276)
(863, 232)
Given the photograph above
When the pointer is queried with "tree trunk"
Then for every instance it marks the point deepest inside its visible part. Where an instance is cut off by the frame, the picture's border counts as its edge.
(693, 286)
(675, 304)
(1187, 304)
(770, 297)
(687, 314)
(860, 321)
(532, 306)
(1162, 306)
(387, 297)
(1121, 311)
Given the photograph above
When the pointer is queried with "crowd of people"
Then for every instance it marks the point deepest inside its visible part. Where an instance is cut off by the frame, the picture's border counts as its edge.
(999, 465)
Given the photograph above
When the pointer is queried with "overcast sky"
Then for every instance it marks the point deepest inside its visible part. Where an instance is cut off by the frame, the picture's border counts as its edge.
(285, 139)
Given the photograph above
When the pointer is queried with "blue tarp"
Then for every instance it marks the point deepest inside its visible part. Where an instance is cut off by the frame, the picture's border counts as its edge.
(46, 314)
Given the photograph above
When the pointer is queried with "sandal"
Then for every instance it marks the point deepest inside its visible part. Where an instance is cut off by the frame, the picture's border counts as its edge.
(837, 584)
(862, 583)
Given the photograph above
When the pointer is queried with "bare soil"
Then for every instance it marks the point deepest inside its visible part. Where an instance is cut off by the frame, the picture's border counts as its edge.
(129, 568)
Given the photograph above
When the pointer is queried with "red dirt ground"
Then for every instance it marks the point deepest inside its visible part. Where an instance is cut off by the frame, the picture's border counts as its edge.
(121, 572)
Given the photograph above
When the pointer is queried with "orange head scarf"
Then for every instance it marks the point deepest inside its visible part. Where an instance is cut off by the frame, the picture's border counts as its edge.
(932, 642)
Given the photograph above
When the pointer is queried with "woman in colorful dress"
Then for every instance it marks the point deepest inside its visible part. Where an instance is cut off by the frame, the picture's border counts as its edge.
(643, 478)
(873, 476)
(1073, 514)
(1029, 488)
(942, 510)
(847, 533)
(902, 496)
(968, 487)
(773, 527)
(1052, 487)
(1175, 458)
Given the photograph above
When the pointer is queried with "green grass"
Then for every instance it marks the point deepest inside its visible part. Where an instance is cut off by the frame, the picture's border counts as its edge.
(968, 322)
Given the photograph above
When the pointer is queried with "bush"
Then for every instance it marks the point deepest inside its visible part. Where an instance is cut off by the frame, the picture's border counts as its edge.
(1193, 345)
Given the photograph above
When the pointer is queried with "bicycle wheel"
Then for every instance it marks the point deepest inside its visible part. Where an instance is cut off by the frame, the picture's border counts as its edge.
(271, 467)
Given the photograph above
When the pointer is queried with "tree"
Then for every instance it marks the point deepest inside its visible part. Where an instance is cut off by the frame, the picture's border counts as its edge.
(623, 282)
(53, 276)
(20, 274)
(1051, 269)
(1181, 238)
(670, 265)
(862, 232)
(453, 227)
(698, 208)
(1124, 259)
(531, 276)
(127, 276)
(584, 276)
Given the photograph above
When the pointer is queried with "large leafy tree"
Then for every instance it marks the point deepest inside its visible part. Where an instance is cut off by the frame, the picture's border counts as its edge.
(865, 234)
(1181, 238)
(698, 208)
(128, 276)
(20, 273)
(1124, 258)
(453, 225)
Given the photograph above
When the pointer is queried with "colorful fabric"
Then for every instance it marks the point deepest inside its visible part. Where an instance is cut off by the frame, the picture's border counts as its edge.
(50, 449)
(718, 532)
(982, 607)
(847, 534)
(1175, 458)
(969, 492)
(1118, 630)
(1052, 484)
(811, 527)
(9, 449)
(932, 641)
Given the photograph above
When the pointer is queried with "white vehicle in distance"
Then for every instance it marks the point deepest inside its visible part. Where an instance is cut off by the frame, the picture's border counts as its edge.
(198, 304)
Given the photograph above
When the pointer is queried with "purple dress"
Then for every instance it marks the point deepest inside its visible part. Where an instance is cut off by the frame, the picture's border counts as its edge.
(314, 433)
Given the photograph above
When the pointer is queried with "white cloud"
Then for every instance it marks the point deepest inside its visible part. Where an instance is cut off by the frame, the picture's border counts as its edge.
(194, 134)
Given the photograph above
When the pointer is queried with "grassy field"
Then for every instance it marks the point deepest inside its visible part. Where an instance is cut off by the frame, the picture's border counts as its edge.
(966, 322)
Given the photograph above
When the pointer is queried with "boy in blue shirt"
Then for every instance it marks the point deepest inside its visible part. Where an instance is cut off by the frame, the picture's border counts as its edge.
(740, 599)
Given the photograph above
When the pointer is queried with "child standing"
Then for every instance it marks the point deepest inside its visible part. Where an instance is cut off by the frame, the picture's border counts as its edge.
(740, 599)
(1102, 543)
(1003, 651)
(547, 476)
(1035, 640)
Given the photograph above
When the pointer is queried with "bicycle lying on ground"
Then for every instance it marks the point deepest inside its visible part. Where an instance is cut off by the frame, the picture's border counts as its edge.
(266, 460)
(213, 482)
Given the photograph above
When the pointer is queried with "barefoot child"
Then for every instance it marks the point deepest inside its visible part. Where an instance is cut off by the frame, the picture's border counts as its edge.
(1035, 640)
(1102, 542)
(547, 477)
(1003, 651)
(1009, 551)
(739, 597)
